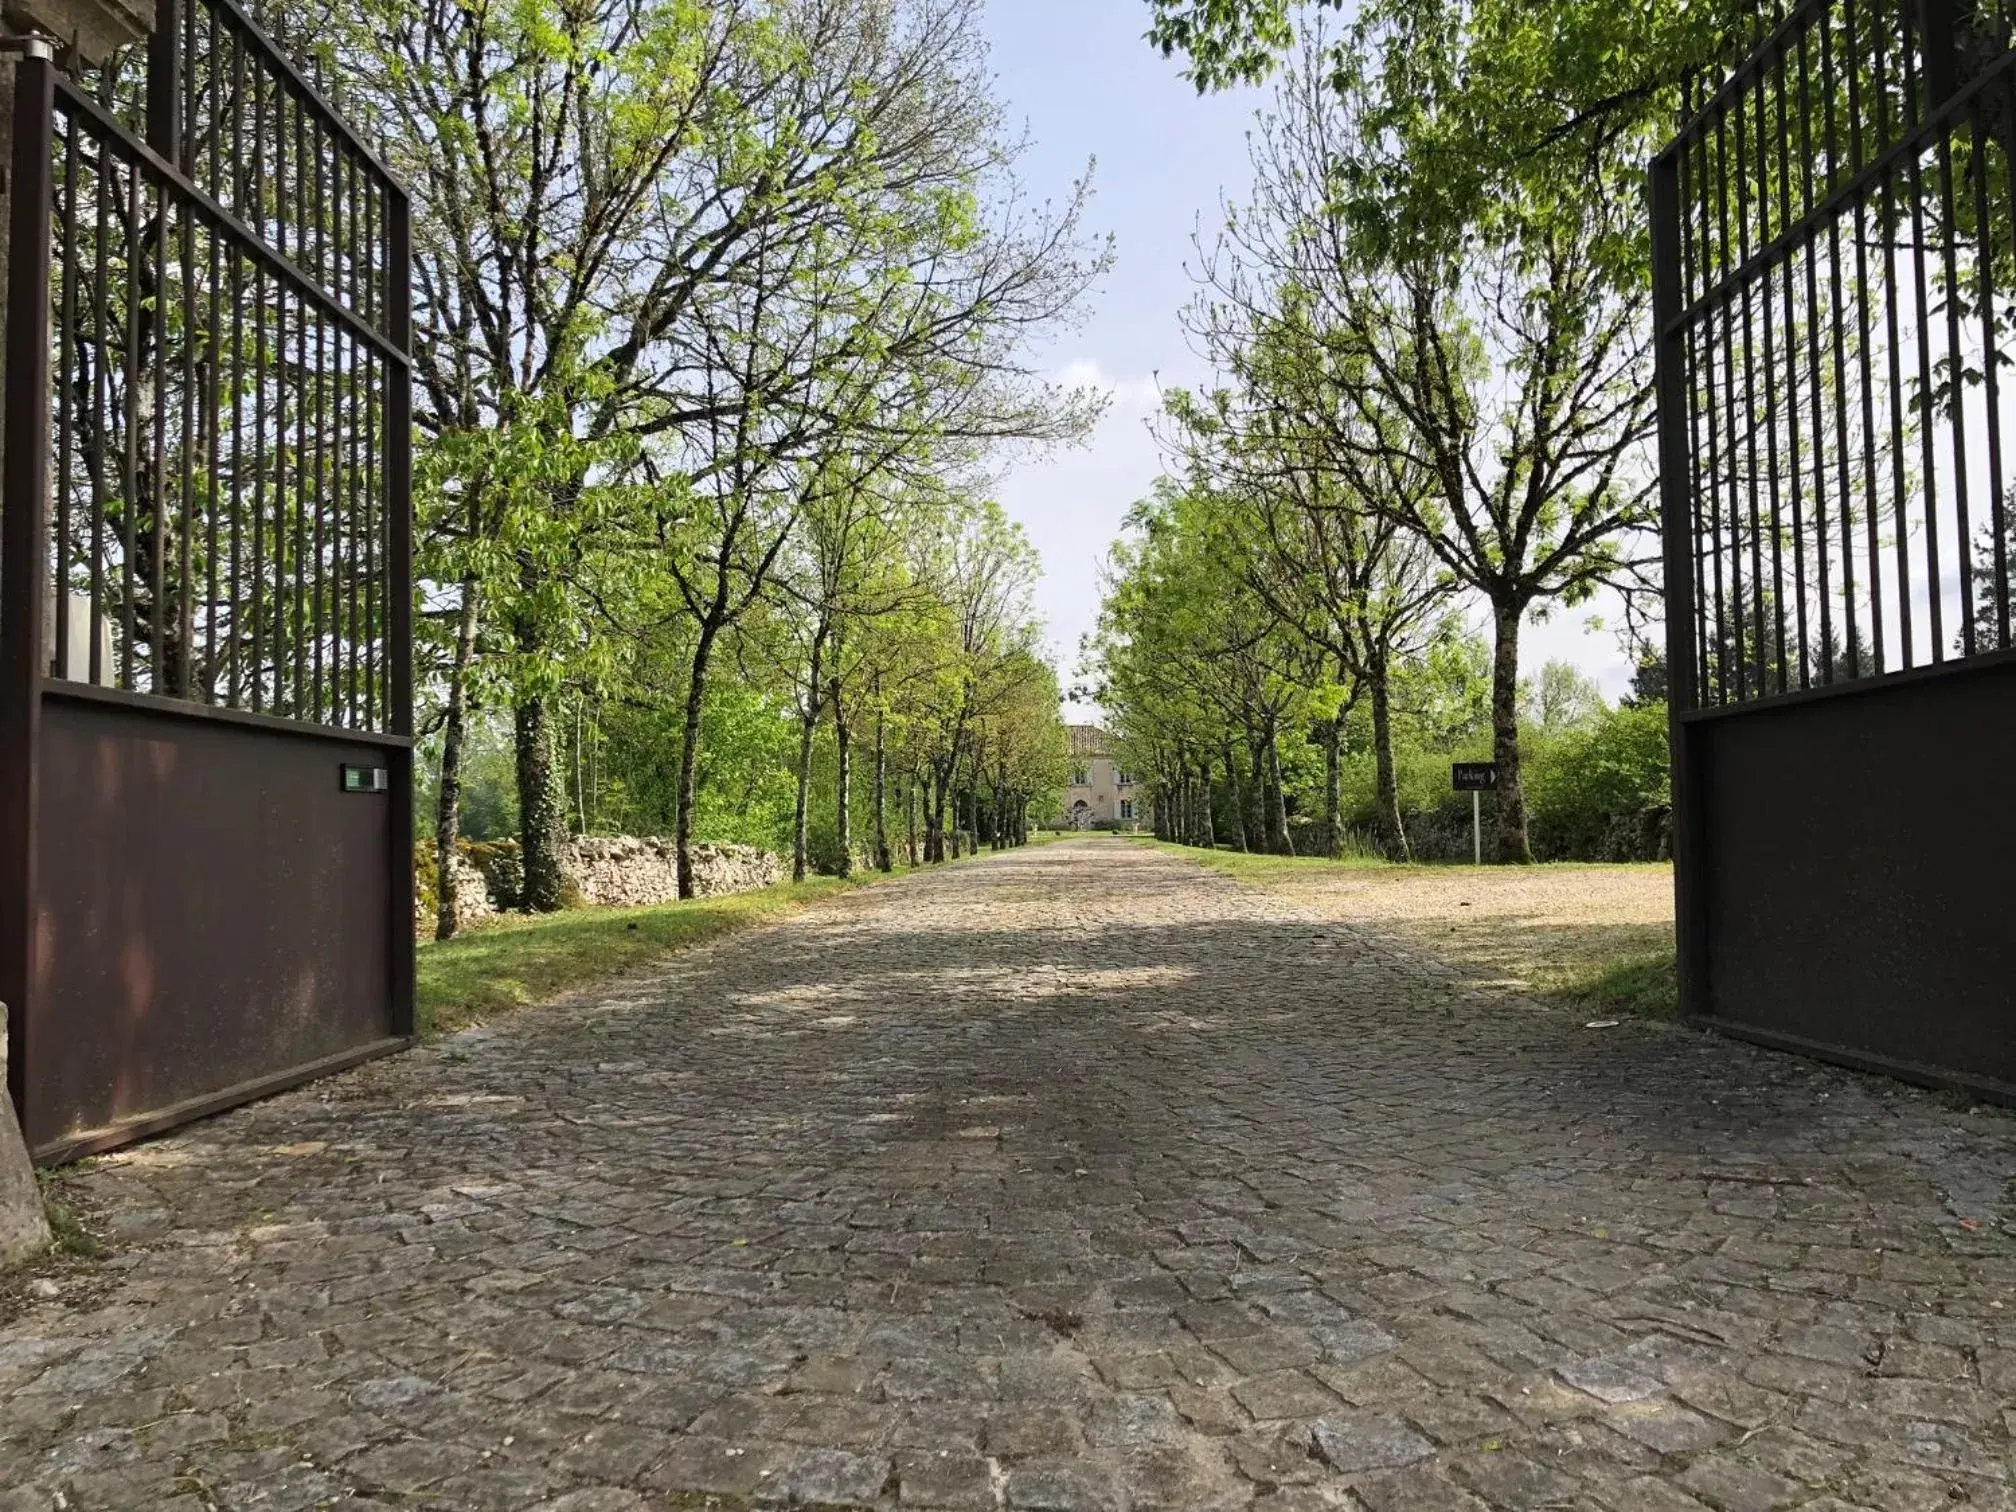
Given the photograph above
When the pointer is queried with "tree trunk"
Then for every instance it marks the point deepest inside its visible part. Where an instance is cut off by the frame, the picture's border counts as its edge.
(1278, 809)
(910, 804)
(1238, 798)
(997, 820)
(1392, 827)
(1258, 821)
(808, 732)
(1263, 803)
(883, 862)
(1206, 820)
(448, 801)
(934, 820)
(580, 772)
(541, 819)
(1514, 845)
(448, 810)
(1333, 787)
(689, 756)
(843, 815)
(802, 800)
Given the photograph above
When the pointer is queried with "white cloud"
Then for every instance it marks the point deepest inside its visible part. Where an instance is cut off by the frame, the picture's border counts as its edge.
(1130, 396)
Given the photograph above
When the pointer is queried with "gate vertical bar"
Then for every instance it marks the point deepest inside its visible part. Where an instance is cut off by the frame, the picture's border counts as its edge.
(1935, 41)
(24, 485)
(1676, 518)
(164, 82)
(399, 590)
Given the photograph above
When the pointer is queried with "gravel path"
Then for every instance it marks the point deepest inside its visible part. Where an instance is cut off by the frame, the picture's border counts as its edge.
(1078, 1178)
(1566, 896)
(1553, 928)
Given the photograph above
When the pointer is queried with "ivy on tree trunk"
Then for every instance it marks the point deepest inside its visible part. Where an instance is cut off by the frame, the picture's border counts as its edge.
(541, 824)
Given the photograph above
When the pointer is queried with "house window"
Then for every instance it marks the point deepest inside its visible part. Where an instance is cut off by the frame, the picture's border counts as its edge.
(1080, 776)
(1126, 808)
(1121, 778)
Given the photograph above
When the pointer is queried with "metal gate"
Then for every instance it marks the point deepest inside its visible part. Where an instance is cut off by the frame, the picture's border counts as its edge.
(205, 677)
(1834, 265)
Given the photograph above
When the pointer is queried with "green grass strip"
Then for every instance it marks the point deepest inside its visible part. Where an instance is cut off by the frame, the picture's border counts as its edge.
(517, 960)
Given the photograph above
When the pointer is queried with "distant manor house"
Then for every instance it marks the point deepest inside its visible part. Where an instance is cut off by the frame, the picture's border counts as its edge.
(1102, 792)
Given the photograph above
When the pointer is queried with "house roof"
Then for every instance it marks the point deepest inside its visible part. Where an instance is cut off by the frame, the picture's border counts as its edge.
(1088, 740)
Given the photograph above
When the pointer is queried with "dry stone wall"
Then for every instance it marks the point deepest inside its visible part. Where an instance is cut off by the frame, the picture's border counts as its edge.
(472, 891)
(613, 871)
(472, 898)
(626, 871)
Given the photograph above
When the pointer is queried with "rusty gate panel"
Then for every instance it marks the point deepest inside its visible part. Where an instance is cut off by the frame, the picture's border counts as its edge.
(212, 912)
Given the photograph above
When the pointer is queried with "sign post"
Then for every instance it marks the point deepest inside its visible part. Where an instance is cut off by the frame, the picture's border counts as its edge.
(1475, 778)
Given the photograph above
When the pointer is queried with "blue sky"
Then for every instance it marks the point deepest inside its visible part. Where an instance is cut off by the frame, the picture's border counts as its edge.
(1086, 85)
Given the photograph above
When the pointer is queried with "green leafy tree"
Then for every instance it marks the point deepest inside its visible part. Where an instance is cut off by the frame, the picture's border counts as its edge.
(1610, 769)
(1325, 542)
(1992, 571)
(665, 254)
(1498, 102)
(1198, 670)
(1505, 367)
(1559, 696)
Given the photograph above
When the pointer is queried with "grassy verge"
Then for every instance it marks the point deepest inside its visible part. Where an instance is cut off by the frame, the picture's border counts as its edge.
(1594, 935)
(514, 961)
(69, 1235)
(1640, 982)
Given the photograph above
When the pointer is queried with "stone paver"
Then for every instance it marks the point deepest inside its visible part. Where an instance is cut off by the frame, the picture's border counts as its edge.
(1074, 1179)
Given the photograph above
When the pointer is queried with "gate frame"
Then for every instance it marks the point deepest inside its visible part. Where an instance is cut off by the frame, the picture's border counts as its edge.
(24, 527)
(1676, 532)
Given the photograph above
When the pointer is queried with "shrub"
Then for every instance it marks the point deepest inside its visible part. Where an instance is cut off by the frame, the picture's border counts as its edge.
(822, 851)
(1603, 789)
(1596, 790)
(1309, 834)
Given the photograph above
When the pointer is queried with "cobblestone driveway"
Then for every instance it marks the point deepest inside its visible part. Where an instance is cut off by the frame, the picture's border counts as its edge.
(1075, 1179)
